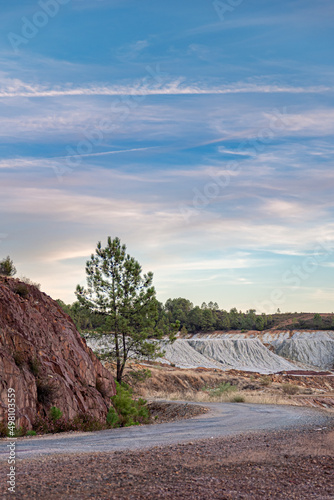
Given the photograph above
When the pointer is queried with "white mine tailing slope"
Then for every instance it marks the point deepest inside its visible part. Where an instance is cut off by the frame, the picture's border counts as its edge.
(226, 354)
(183, 355)
(315, 352)
(314, 349)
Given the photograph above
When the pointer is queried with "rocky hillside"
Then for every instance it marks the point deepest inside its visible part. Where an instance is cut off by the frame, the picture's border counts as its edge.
(44, 358)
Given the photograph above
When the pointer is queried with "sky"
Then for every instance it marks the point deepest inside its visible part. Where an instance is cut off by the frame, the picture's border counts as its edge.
(198, 132)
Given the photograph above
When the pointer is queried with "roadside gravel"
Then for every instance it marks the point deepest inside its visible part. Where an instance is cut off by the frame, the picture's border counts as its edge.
(290, 464)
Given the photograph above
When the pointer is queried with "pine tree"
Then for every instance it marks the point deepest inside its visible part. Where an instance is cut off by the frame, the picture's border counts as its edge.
(7, 267)
(118, 289)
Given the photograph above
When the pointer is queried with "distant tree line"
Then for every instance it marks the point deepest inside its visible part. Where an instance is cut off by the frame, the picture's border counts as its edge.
(193, 319)
(207, 318)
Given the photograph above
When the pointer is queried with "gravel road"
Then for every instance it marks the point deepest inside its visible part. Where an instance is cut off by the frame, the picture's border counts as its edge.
(223, 419)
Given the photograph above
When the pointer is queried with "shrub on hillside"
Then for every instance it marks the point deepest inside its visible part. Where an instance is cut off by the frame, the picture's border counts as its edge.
(21, 290)
(265, 381)
(126, 411)
(28, 281)
(55, 413)
(34, 366)
(18, 358)
(290, 389)
(46, 392)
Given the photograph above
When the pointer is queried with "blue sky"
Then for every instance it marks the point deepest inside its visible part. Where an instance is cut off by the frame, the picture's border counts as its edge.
(199, 132)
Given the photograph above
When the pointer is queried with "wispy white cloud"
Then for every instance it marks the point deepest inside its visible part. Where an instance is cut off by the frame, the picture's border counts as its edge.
(17, 88)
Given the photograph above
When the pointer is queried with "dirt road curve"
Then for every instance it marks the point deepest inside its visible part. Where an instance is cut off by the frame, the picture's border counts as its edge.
(224, 419)
(291, 459)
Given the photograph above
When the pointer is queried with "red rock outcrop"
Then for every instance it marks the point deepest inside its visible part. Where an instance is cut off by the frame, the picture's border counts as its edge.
(44, 358)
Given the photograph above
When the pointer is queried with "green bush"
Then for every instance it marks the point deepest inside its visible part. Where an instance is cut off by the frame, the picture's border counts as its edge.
(31, 433)
(55, 413)
(125, 410)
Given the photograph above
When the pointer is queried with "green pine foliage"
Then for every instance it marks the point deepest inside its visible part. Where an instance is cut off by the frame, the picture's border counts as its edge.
(55, 413)
(118, 291)
(126, 411)
(7, 267)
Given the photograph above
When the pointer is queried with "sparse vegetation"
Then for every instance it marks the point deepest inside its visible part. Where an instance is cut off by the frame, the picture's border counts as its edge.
(3, 430)
(265, 381)
(82, 422)
(21, 290)
(18, 357)
(139, 375)
(46, 392)
(222, 388)
(200, 386)
(238, 399)
(34, 366)
(290, 389)
(28, 281)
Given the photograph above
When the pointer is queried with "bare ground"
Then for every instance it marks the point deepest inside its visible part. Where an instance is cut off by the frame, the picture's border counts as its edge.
(315, 389)
(277, 465)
